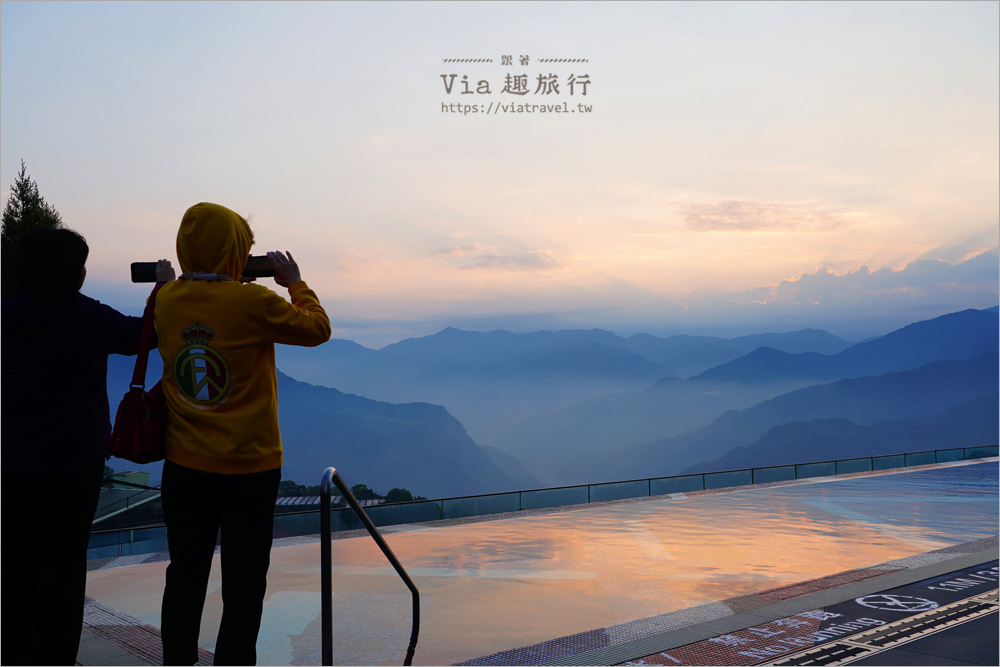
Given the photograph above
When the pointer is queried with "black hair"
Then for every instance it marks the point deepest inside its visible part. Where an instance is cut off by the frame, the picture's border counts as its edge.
(49, 262)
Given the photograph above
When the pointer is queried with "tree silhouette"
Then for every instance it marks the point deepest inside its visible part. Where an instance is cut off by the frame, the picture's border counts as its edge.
(362, 492)
(25, 209)
(288, 487)
(398, 496)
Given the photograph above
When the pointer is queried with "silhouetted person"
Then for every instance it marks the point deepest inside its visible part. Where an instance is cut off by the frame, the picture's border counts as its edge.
(55, 435)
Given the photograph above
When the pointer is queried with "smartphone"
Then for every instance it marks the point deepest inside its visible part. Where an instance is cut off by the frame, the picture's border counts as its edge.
(257, 267)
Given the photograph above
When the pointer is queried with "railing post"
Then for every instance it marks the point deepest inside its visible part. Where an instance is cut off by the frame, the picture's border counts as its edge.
(331, 475)
(326, 573)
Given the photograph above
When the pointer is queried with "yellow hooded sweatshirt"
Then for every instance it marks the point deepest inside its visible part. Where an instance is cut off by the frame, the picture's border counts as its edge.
(217, 339)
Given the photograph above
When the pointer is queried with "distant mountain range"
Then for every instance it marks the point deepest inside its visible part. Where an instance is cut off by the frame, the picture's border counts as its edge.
(570, 407)
(969, 424)
(584, 442)
(913, 395)
(960, 335)
(416, 446)
(493, 381)
(570, 447)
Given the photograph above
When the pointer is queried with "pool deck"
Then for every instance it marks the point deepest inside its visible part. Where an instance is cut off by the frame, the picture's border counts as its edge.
(604, 583)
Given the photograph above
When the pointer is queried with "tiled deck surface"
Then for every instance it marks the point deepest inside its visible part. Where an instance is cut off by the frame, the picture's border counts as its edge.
(504, 589)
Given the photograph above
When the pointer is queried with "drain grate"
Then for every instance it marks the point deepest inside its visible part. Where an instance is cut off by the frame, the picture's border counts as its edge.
(870, 642)
(837, 653)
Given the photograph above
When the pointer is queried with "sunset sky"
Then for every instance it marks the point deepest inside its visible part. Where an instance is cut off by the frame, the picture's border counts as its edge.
(743, 167)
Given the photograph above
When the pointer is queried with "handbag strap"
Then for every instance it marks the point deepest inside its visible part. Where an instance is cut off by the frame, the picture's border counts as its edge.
(142, 358)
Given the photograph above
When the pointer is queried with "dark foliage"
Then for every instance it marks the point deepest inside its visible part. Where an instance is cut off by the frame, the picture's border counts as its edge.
(288, 488)
(362, 492)
(26, 209)
(398, 496)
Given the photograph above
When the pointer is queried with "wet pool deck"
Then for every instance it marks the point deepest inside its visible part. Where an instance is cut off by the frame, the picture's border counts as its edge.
(556, 585)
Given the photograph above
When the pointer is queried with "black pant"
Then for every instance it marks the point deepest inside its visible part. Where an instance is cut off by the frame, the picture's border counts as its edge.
(47, 517)
(196, 505)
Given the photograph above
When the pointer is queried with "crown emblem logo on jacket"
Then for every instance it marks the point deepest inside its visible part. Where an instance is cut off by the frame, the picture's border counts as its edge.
(198, 334)
(202, 373)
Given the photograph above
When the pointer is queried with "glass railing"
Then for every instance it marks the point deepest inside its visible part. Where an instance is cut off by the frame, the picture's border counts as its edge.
(146, 533)
(135, 509)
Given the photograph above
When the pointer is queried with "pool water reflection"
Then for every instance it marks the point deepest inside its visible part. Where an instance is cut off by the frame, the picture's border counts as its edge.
(493, 585)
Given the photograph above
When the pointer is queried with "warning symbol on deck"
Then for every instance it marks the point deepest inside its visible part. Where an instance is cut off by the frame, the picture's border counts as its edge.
(903, 603)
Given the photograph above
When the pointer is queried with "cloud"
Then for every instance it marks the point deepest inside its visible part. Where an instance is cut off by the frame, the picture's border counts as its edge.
(747, 216)
(465, 250)
(854, 305)
(478, 256)
(963, 248)
(972, 283)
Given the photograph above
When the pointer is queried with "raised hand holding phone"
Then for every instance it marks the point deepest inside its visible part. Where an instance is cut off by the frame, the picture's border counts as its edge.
(286, 271)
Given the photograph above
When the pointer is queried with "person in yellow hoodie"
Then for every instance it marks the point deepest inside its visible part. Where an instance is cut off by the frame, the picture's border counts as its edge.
(223, 446)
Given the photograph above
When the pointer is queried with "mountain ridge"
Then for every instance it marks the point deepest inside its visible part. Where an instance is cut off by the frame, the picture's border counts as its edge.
(902, 395)
(972, 423)
(492, 381)
(959, 335)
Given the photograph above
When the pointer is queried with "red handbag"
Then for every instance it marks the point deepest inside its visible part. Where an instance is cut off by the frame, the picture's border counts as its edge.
(141, 420)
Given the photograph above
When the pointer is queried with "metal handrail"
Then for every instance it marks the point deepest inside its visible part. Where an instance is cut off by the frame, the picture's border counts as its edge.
(326, 571)
(127, 508)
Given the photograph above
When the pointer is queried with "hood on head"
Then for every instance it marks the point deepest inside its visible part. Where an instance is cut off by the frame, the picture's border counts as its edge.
(213, 239)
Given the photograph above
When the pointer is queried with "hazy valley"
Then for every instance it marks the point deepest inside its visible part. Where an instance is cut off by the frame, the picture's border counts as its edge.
(461, 412)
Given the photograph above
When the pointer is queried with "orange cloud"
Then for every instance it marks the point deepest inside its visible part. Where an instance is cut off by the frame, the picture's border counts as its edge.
(748, 216)
(479, 256)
